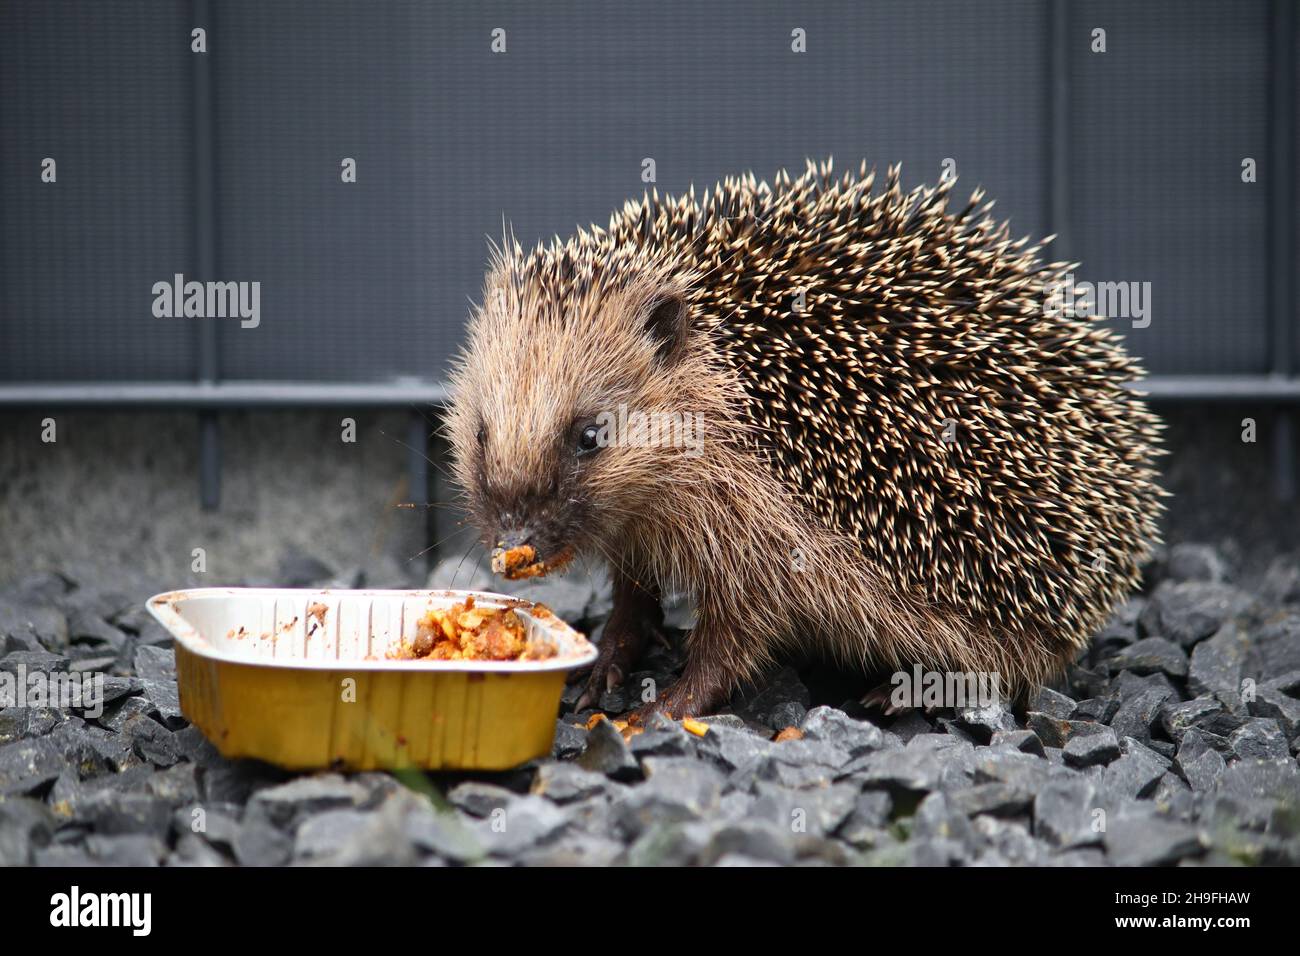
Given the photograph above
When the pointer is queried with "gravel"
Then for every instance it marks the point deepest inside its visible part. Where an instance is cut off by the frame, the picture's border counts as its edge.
(1172, 740)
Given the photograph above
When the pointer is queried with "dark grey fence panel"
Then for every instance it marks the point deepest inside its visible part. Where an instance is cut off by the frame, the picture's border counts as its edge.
(368, 282)
(1160, 124)
(371, 280)
(104, 90)
(350, 289)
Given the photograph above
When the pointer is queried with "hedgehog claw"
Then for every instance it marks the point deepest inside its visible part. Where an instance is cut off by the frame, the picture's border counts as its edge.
(881, 698)
(614, 678)
(619, 648)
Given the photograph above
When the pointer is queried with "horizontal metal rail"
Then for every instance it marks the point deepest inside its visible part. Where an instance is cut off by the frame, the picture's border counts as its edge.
(224, 394)
(250, 394)
(1221, 388)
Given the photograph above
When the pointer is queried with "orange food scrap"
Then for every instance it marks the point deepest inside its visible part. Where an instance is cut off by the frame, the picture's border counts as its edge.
(512, 561)
(623, 727)
(464, 632)
(522, 562)
(697, 727)
(790, 733)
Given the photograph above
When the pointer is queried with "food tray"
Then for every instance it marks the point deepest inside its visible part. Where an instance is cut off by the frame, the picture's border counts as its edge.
(300, 678)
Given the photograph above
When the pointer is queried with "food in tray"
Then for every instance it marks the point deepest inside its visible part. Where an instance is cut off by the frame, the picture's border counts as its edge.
(467, 632)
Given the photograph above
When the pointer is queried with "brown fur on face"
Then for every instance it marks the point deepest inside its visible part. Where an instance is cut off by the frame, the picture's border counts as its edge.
(543, 361)
(825, 509)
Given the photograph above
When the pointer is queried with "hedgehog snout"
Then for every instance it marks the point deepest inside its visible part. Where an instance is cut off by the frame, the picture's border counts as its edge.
(528, 523)
(513, 537)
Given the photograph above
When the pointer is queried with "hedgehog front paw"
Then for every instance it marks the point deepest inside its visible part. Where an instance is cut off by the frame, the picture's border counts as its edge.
(695, 694)
(620, 647)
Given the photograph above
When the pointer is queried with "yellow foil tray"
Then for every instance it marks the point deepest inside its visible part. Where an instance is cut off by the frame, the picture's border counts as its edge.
(300, 678)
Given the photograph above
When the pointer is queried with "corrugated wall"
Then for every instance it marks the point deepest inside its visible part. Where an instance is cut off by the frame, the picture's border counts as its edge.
(369, 282)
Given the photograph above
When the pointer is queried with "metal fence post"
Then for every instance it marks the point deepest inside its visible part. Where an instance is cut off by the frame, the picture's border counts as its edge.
(1281, 232)
(1057, 126)
(205, 255)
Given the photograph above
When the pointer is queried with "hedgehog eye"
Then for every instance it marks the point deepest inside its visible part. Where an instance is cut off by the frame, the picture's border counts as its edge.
(482, 435)
(588, 440)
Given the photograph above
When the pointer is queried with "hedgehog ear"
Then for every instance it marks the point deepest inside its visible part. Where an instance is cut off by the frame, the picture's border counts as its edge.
(667, 324)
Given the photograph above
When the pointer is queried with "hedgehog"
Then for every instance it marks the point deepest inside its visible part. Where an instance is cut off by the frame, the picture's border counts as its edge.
(887, 434)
